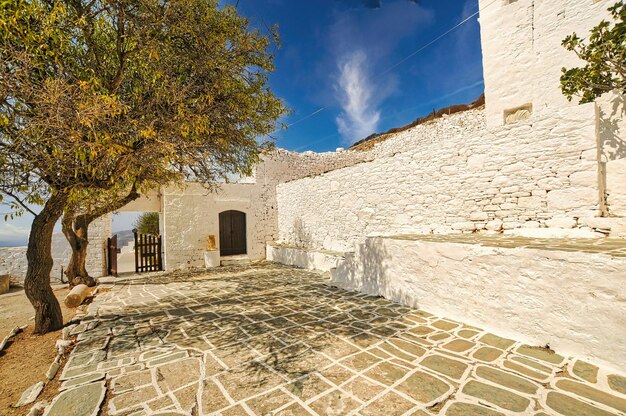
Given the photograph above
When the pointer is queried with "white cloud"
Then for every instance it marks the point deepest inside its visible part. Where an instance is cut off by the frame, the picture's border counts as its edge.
(363, 42)
(8, 230)
(12, 234)
(360, 115)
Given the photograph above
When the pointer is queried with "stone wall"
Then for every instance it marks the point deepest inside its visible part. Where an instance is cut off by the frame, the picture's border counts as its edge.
(319, 260)
(569, 298)
(455, 175)
(191, 214)
(611, 113)
(13, 259)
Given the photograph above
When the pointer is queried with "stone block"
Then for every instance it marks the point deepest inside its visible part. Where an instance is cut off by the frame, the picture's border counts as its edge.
(495, 225)
(531, 224)
(530, 202)
(572, 198)
(586, 178)
(603, 223)
(561, 222)
(464, 226)
(509, 189)
(5, 282)
(510, 225)
(476, 163)
(479, 216)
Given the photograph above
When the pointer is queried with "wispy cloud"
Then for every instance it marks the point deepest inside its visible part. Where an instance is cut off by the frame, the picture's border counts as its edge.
(360, 115)
(362, 42)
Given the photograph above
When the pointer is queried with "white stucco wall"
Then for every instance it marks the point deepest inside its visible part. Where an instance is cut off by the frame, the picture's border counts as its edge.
(150, 202)
(191, 215)
(522, 52)
(572, 301)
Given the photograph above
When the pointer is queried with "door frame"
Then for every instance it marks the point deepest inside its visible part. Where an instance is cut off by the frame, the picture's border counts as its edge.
(244, 235)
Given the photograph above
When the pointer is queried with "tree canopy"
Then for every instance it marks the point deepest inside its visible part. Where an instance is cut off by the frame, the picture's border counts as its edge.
(97, 96)
(604, 53)
(147, 223)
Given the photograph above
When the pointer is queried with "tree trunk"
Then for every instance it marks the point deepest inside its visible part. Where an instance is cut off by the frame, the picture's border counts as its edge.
(76, 232)
(48, 316)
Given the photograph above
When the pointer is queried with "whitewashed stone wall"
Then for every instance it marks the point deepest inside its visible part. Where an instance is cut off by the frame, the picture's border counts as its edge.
(611, 112)
(319, 260)
(13, 259)
(569, 300)
(454, 175)
(531, 163)
(191, 214)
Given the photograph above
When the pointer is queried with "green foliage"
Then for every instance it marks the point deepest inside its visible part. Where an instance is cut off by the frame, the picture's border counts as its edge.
(148, 223)
(605, 55)
(99, 96)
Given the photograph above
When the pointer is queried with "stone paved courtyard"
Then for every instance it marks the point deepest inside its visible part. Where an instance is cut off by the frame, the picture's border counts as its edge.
(272, 340)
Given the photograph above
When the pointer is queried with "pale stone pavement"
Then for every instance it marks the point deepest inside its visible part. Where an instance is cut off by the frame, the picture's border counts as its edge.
(267, 339)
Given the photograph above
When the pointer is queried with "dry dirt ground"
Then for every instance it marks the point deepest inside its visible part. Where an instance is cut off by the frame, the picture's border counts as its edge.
(25, 360)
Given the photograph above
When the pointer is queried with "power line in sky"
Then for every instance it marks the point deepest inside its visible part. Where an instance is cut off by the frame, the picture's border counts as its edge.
(406, 58)
(449, 95)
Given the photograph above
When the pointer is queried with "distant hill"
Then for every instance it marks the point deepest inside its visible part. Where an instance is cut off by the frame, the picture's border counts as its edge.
(13, 243)
(124, 237)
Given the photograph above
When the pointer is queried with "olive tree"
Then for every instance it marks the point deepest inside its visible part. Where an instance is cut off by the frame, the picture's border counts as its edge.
(147, 223)
(96, 96)
(604, 54)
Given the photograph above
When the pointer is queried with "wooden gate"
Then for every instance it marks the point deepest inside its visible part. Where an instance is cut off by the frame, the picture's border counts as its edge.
(112, 256)
(147, 253)
(232, 233)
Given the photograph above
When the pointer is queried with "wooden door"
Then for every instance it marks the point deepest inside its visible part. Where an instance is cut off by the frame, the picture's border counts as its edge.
(232, 233)
(112, 255)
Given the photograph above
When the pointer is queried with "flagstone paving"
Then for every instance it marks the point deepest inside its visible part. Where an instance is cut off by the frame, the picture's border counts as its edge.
(266, 339)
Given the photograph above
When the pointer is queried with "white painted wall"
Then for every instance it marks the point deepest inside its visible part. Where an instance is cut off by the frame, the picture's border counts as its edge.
(191, 214)
(522, 52)
(145, 203)
(454, 175)
(563, 166)
(611, 112)
(304, 259)
(572, 301)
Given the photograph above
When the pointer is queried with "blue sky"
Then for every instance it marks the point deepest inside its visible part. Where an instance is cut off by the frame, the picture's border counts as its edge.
(354, 59)
(341, 55)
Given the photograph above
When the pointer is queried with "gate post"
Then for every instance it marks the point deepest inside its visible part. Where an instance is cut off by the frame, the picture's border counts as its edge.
(136, 252)
(160, 253)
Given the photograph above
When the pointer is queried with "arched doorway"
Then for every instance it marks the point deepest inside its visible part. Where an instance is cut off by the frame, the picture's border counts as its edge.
(232, 233)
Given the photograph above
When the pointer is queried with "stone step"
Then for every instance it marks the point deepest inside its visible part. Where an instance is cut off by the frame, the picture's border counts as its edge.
(234, 260)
